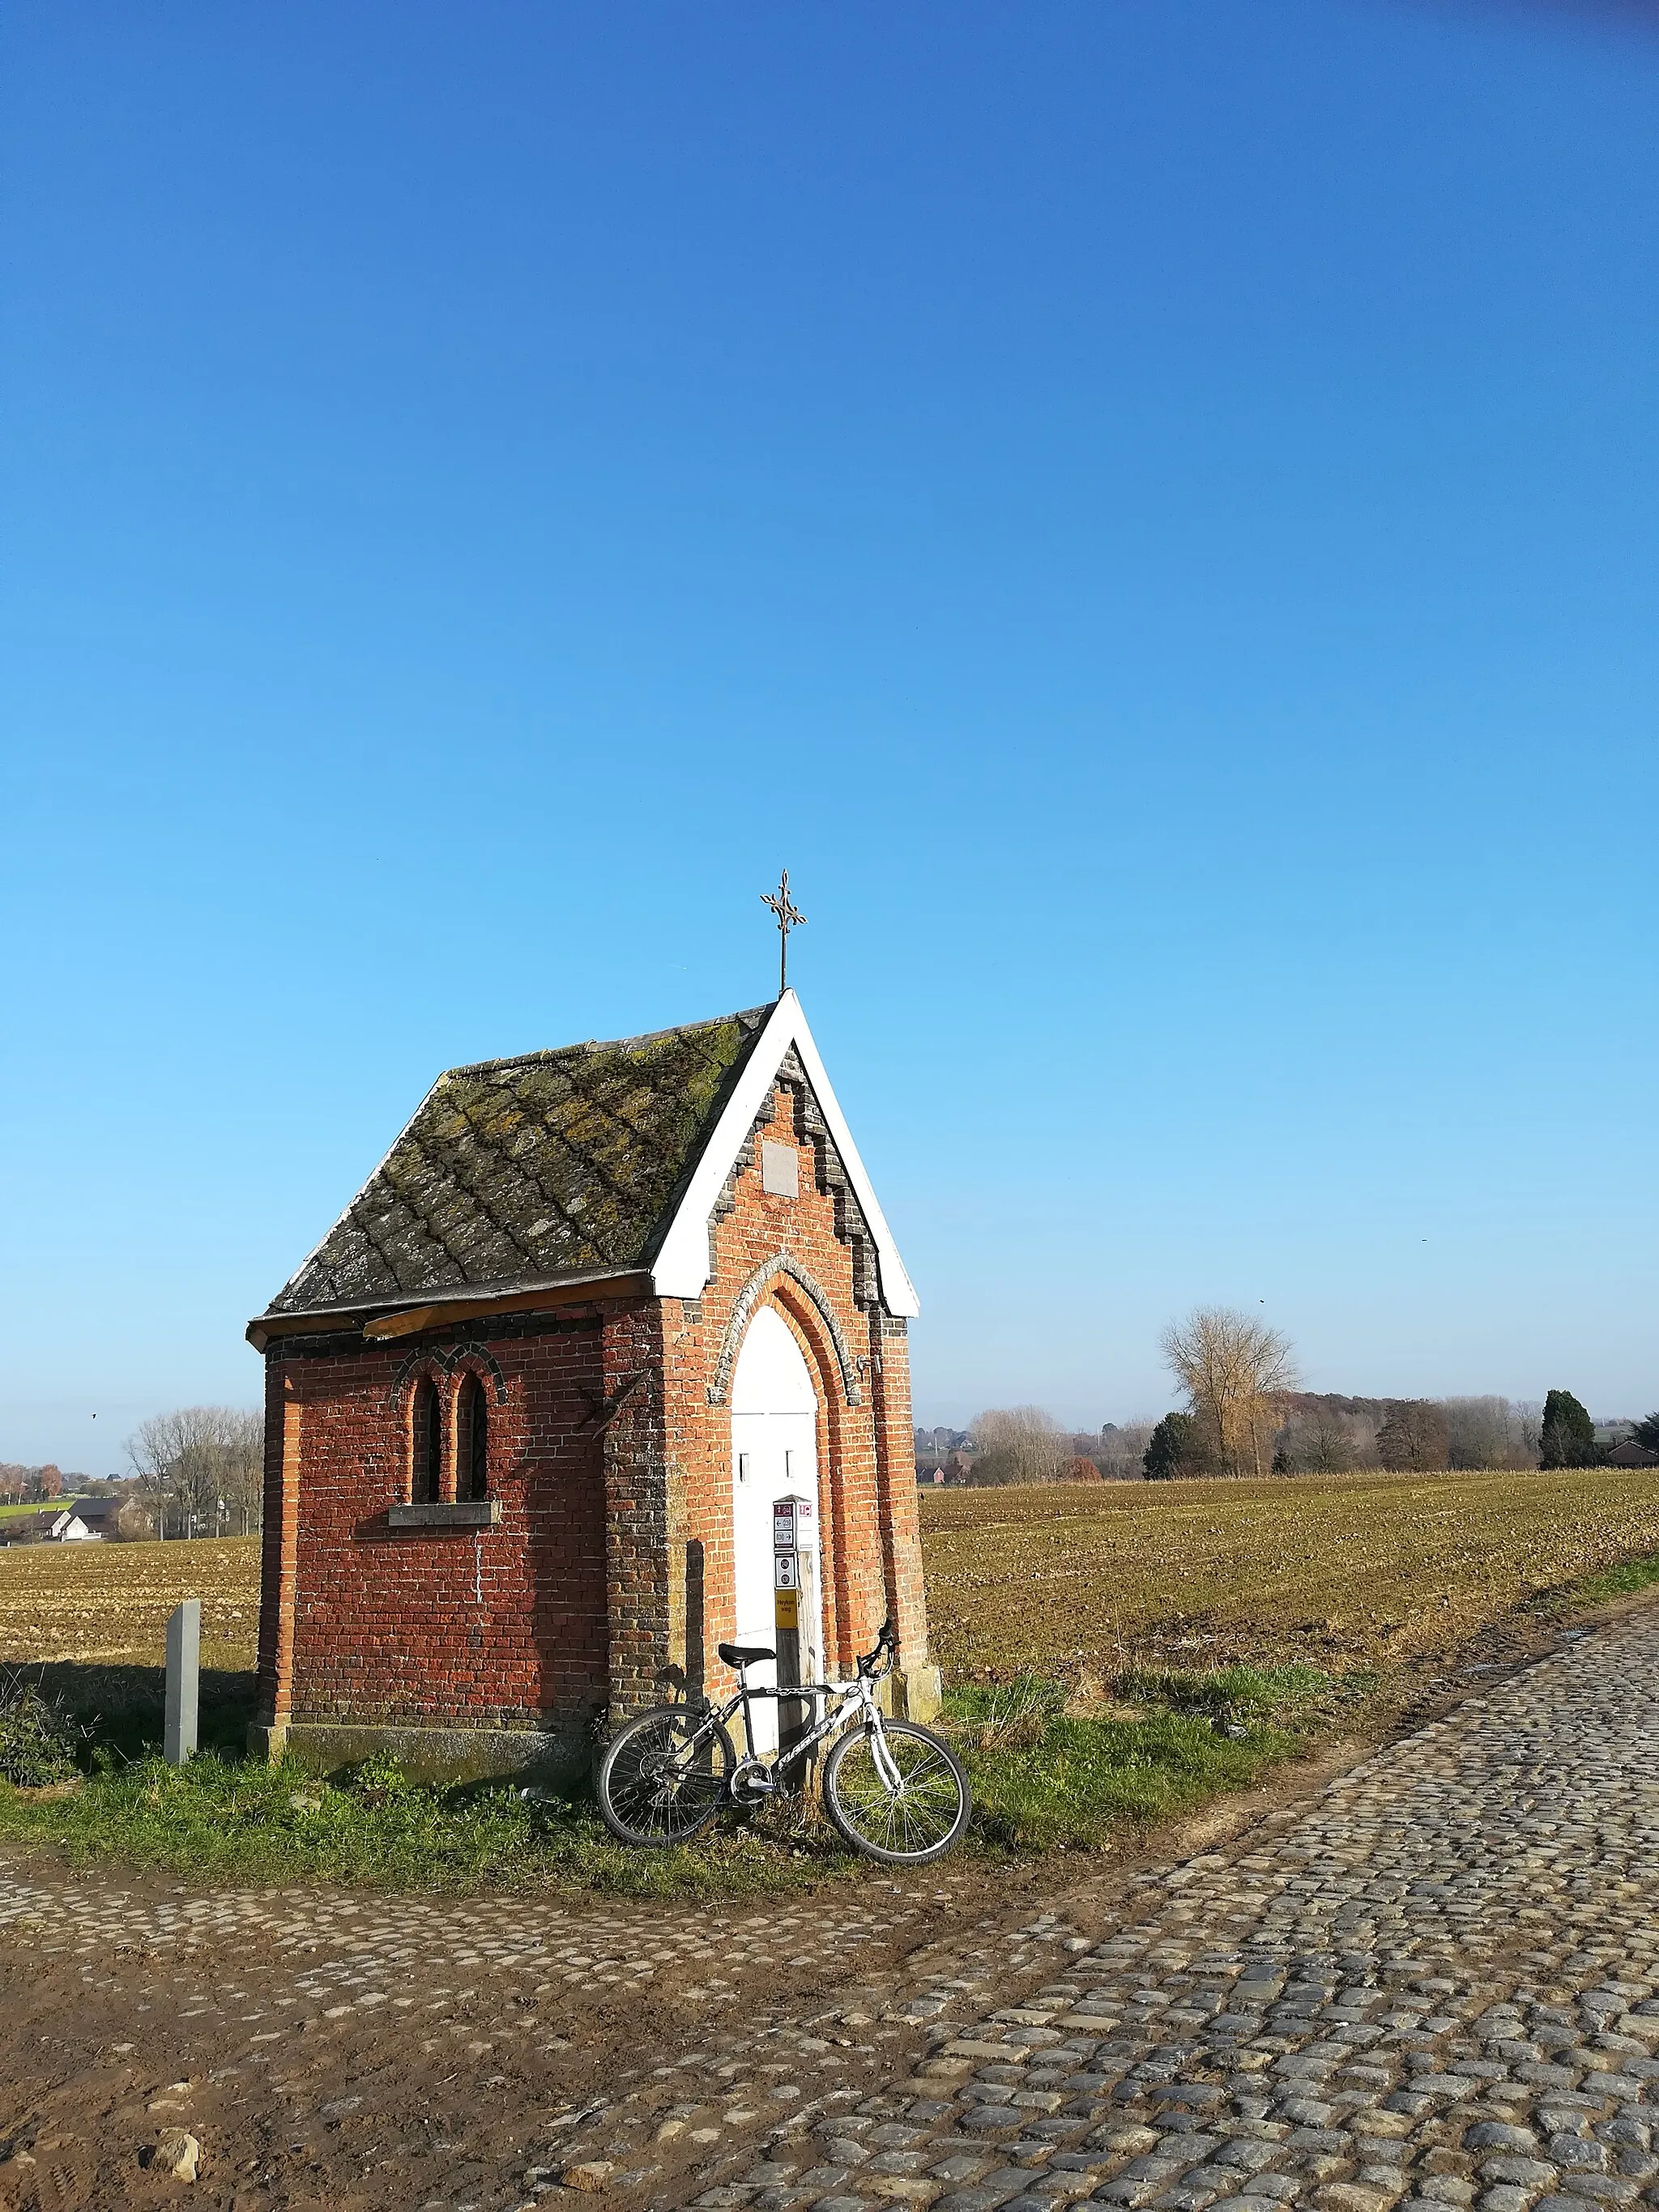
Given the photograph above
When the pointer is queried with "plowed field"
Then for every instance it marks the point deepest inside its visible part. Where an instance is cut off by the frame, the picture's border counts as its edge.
(1350, 1570)
(1361, 1570)
(107, 1604)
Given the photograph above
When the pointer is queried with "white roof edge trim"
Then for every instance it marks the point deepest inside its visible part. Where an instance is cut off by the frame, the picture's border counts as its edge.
(681, 1269)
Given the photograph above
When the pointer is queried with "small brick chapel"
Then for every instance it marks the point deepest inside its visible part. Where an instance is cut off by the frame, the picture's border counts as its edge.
(528, 1403)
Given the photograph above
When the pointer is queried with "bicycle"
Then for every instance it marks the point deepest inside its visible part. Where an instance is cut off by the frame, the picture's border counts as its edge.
(893, 1790)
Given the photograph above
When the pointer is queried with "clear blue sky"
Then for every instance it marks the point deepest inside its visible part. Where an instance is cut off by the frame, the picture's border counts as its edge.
(1149, 512)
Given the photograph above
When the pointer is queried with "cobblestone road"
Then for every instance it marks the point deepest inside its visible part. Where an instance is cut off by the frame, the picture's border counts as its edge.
(345, 1953)
(1437, 1988)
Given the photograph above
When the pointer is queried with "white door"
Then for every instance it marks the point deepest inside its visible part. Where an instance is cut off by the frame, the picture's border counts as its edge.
(773, 1452)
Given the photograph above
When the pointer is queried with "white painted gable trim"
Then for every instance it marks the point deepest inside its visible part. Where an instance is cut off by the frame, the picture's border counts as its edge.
(681, 1269)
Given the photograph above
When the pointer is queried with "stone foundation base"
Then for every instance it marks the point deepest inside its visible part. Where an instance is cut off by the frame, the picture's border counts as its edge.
(561, 1752)
(917, 1693)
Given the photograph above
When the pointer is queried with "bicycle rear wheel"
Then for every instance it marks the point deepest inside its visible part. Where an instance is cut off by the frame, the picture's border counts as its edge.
(665, 1777)
(905, 1818)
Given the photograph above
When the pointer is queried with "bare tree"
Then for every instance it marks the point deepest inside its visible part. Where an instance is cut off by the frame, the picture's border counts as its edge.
(1231, 1366)
(1477, 1432)
(1414, 1437)
(1123, 1448)
(1019, 1444)
(1527, 1429)
(1321, 1439)
(199, 1469)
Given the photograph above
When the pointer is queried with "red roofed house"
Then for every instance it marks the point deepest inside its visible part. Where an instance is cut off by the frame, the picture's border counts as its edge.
(530, 1399)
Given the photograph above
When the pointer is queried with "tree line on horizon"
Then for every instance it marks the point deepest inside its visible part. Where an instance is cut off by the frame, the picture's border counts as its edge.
(1245, 1414)
(196, 1471)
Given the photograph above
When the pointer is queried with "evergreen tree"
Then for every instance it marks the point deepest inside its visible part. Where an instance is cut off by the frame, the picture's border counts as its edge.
(1177, 1447)
(1568, 1436)
(1647, 1432)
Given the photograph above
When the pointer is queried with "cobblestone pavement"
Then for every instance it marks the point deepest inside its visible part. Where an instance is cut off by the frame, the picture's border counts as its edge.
(1437, 1988)
(372, 1950)
(275, 2002)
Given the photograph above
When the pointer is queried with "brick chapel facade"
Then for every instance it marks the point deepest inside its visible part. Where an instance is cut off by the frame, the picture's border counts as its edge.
(499, 1433)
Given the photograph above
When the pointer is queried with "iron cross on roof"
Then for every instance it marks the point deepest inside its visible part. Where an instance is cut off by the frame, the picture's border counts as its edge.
(788, 920)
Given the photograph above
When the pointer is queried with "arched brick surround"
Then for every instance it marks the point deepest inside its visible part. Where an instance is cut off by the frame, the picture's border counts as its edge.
(747, 1303)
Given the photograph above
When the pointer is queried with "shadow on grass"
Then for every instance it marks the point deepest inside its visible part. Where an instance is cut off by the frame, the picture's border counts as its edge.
(126, 1706)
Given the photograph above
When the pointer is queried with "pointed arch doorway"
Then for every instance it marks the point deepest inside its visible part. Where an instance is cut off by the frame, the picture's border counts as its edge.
(774, 1424)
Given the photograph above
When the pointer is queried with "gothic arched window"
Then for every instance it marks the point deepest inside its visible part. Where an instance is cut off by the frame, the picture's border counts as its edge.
(472, 1441)
(425, 1484)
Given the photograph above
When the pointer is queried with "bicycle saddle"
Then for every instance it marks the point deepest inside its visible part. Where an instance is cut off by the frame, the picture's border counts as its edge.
(744, 1654)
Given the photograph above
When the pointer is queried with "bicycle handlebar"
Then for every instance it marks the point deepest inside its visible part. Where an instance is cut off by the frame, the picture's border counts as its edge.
(886, 1641)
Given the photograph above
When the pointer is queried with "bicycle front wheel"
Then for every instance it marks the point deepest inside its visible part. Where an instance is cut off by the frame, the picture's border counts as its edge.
(664, 1777)
(904, 1810)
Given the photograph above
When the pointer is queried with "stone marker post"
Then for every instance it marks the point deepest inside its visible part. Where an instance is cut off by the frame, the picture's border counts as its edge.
(184, 1680)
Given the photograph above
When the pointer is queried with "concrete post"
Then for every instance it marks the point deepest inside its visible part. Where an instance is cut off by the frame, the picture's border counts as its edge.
(184, 1680)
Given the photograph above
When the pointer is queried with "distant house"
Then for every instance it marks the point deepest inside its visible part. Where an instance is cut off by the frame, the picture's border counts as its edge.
(102, 1516)
(1631, 1453)
(59, 1524)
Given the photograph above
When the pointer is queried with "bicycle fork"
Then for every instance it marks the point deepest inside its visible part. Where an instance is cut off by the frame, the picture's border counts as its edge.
(891, 1777)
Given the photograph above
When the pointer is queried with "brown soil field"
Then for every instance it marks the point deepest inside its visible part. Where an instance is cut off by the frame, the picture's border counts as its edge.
(107, 1604)
(1361, 1570)
(1347, 1572)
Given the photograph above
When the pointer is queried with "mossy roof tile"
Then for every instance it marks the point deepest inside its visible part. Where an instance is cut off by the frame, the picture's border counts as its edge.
(521, 1170)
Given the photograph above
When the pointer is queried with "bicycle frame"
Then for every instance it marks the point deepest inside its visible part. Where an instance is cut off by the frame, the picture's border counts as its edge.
(837, 1696)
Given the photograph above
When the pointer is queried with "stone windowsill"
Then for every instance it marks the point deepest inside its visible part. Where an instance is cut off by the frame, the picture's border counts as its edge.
(461, 1513)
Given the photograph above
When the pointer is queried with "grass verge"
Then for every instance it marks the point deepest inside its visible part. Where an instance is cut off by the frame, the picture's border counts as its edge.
(1044, 1779)
(223, 1817)
(1629, 1577)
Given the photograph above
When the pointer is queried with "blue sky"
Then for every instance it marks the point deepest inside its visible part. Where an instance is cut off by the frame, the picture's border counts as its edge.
(1148, 512)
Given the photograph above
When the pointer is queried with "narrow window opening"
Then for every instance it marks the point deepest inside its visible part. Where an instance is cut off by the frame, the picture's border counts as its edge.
(472, 1441)
(428, 1445)
(743, 1467)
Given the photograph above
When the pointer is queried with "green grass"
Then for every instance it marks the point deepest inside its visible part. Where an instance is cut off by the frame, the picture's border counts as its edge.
(1237, 1693)
(1042, 1780)
(1046, 1780)
(1628, 1576)
(227, 1819)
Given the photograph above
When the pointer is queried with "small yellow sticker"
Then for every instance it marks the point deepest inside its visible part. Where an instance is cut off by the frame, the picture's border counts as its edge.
(787, 1605)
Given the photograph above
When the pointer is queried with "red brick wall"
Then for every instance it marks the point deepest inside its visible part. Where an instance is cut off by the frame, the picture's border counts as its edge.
(638, 1506)
(277, 1547)
(496, 1627)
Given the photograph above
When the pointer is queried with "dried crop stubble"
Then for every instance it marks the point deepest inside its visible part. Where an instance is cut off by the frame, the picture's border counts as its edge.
(108, 1603)
(1345, 1572)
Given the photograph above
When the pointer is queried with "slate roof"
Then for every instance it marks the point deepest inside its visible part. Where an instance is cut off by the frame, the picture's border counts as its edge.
(515, 1172)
